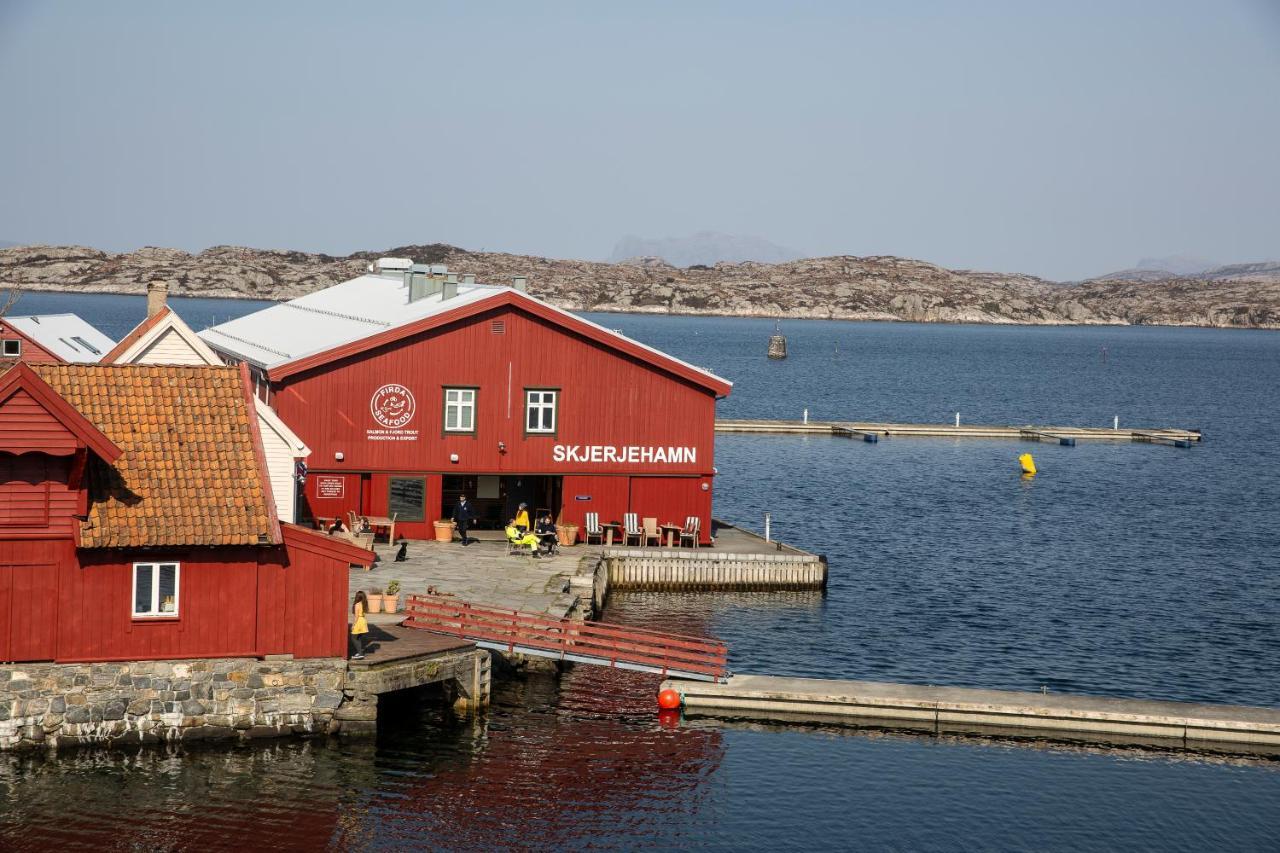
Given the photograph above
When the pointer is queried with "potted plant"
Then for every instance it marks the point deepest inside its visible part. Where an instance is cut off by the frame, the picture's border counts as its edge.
(567, 534)
(375, 600)
(444, 530)
(391, 598)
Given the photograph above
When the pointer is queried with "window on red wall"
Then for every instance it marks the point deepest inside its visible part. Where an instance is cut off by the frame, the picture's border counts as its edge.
(24, 490)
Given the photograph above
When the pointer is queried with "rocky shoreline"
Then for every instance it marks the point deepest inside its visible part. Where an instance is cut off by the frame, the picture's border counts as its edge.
(878, 288)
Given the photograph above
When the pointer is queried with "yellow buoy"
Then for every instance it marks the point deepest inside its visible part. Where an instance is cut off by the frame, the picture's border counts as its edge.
(1028, 463)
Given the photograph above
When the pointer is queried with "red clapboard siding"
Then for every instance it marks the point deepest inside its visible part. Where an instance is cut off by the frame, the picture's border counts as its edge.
(607, 496)
(673, 499)
(35, 498)
(606, 398)
(26, 426)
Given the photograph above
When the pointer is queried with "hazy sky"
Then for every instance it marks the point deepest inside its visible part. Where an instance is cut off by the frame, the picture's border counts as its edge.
(1062, 139)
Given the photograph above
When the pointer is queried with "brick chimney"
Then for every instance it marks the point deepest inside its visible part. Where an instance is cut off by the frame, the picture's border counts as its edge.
(157, 291)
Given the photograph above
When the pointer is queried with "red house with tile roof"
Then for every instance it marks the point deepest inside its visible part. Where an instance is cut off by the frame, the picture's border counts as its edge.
(136, 523)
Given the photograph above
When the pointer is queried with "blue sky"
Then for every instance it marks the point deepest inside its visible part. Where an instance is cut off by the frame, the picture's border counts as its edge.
(1060, 139)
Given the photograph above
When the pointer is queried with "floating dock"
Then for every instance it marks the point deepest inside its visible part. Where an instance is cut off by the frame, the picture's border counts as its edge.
(872, 431)
(1097, 719)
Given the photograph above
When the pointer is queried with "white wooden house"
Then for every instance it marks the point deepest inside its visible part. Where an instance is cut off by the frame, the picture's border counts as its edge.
(163, 338)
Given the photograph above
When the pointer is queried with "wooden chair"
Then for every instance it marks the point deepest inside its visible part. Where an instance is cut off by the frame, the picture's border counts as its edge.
(630, 528)
(690, 532)
(593, 528)
(651, 531)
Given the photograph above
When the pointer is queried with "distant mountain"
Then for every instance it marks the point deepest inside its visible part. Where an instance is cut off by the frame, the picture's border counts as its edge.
(843, 287)
(706, 248)
(1154, 269)
(1177, 264)
(9, 244)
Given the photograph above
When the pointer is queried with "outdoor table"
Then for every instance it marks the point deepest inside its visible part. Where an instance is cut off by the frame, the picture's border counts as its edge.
(672, 531)
(379, 522)
(608, 527)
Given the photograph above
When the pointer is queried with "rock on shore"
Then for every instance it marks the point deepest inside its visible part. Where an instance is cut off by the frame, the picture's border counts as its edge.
(839, 287)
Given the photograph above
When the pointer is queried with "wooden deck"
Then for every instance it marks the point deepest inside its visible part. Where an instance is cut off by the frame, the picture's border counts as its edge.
(387, 644)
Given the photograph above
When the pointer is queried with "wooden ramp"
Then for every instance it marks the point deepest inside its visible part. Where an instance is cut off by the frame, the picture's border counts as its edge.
(596, 643)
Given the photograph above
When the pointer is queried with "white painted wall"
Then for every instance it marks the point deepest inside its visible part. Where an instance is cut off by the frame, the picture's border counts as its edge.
(280, 466)
(168, 348)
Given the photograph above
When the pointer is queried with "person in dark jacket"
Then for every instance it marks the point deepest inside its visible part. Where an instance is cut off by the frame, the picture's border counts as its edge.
(463, 516)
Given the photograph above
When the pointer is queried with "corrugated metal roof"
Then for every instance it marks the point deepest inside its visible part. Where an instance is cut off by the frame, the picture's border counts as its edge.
(65, 335)
(329, 318)
(354, 310)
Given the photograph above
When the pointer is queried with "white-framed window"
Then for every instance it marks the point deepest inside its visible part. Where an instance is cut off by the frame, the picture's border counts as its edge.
(540, 410)
(155, 589)
(13, 348)
(459, 410)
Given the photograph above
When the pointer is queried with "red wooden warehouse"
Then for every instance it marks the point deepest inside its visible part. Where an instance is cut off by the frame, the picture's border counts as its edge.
(412, 387)
(134, 523)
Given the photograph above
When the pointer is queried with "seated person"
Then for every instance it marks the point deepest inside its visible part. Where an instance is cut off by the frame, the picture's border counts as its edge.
(516, 536)
(546, 531)
(337, 527)
(522, 518)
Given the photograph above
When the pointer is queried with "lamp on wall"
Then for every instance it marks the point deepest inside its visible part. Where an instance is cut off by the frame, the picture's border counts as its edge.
(453, 457)
(338, 455)
(502, 447)
(706, 487)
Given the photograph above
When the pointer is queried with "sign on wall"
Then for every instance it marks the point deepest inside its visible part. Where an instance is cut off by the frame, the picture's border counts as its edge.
(330, 487)
(393, 407)
(629, 454)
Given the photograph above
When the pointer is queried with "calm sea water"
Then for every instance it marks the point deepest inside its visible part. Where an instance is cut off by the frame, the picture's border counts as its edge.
(1121, 569)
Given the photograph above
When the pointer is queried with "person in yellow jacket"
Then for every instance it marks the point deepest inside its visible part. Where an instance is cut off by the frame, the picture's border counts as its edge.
(359, 628)
(522, 518)
(516, 536)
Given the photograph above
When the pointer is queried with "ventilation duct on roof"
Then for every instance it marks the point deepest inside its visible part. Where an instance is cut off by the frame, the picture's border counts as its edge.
(520, 283)
(469, 278)
(421, 283)
(450, 287)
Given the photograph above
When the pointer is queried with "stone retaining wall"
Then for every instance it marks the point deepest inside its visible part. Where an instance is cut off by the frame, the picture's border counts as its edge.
(54, 705)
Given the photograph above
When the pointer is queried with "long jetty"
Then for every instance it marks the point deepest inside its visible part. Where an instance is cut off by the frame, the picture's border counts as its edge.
(872, 431)
(960, 710)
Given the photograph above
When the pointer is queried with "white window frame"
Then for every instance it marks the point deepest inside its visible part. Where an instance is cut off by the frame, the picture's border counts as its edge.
(540, 405)
(155, 612)
(465, 403)
(17, 343)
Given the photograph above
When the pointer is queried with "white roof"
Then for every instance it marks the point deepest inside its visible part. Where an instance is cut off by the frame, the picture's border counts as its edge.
(352, 311)
(65, 335)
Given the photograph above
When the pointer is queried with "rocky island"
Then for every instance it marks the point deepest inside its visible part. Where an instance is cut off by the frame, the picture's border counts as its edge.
(840, 287)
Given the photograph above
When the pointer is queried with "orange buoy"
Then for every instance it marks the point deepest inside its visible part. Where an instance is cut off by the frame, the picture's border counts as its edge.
(669, 700)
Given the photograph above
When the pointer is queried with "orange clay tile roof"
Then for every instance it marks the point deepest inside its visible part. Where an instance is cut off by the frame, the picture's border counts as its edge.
(188, 473)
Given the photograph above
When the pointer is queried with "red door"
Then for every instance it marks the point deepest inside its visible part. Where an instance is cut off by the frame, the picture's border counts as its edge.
(32, 593)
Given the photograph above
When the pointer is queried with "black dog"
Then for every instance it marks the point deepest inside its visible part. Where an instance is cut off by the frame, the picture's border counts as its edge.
(403, 553)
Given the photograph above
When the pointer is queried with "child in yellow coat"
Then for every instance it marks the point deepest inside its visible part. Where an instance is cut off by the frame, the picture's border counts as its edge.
(359, 628)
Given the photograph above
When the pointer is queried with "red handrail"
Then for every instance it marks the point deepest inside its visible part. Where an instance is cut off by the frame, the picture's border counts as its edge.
(611, 644)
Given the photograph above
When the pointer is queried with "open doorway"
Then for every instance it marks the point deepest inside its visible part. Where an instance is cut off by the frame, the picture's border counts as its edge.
(495, 497)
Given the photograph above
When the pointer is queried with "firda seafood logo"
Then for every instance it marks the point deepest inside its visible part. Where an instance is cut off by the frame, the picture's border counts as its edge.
(392, 406)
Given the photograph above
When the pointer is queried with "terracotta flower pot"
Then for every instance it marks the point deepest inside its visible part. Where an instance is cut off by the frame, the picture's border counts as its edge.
(444, 531)
(375, 603)
(391, 603)
(567, 533)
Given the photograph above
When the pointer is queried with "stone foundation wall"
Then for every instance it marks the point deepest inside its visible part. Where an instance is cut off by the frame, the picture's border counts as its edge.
(53, 705)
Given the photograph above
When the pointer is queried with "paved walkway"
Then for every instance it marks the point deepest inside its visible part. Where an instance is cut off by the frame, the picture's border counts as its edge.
(482, 572)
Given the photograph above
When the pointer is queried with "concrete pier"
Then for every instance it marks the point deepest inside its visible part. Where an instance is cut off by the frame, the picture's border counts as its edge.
(862, 429)
(1097, 719)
